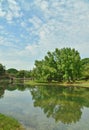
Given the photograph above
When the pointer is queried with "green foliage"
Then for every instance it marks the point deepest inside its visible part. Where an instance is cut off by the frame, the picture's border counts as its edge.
(69, 64)
(85, 61)
(86, 71)
(2, 70)
(60, 65)
(85, 68)
(21, 74)
(38, 71)
(12, 71)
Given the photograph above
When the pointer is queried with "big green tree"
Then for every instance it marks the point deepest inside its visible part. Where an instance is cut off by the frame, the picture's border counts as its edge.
(68, 63)
(60, 65)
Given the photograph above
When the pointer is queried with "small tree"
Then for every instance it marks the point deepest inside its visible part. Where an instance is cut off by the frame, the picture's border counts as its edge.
(12, 71)
(2, 70)
(21, 74)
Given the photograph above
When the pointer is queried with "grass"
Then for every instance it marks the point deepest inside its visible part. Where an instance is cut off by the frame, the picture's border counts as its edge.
(9, 123)
(81, 83)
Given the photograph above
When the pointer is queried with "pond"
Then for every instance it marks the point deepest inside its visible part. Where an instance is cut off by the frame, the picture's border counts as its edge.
(46, 107)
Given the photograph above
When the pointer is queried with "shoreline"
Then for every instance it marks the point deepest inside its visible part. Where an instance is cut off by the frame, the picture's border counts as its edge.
(84, 84)
(80, 83)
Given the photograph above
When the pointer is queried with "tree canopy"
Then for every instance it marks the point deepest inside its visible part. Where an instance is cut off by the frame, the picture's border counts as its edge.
(60, 65)
(12, 71)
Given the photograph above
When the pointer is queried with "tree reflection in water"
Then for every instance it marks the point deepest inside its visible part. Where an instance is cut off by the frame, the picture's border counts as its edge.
(61, 103)
(10, 87)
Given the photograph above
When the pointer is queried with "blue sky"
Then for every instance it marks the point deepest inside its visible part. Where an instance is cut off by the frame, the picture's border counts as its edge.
(31, 28)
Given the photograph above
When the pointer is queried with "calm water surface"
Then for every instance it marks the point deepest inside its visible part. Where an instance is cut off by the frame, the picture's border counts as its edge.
(46, 107)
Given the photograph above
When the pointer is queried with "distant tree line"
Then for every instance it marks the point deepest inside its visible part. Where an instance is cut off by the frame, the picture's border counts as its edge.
(60, 65)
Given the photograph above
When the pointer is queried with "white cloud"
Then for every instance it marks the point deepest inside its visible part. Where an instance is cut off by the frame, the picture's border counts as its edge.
(12, 10)
(44, 5)
(4, 41)
(66, 24)
(36, 21)
(26, 4)
(2, 13)
(23, 24)
(32, 49)
(63, 23)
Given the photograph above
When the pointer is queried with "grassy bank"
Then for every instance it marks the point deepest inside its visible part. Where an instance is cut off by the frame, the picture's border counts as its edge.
(77, 83)
(8, 123)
